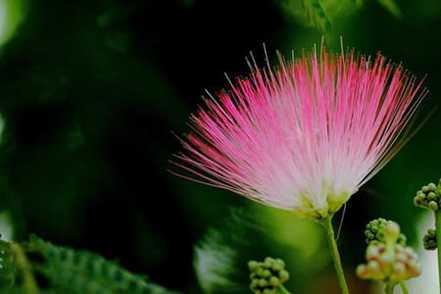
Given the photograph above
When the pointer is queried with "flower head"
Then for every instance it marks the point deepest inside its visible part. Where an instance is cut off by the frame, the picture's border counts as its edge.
(303, 136)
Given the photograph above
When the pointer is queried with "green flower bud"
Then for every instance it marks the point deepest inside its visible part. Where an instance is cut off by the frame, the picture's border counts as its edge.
(429, 240)
(386, 258)
(431, 187)
(277, 266)
(281, 262)
(254, 284)
(262, 283)
(431, 196)
(401, 256)
(399, 268)
(433, 205)
(252, 265)
(374, 266)
(274, 281)
(372, 252)
(420, 194)
(361, 271)
(419, 200)
(266, 274)
(391, 231)
(284, 276)
(260, 272)
(268, 262)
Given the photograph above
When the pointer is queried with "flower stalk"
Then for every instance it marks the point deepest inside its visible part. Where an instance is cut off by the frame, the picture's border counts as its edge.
(429, 197)
(29, 282)
(389, 288)
(404, 289)
(283, 290)
(438, 241)
(327, 223)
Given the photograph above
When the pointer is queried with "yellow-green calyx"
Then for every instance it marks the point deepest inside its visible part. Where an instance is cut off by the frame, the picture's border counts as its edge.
(333, 204)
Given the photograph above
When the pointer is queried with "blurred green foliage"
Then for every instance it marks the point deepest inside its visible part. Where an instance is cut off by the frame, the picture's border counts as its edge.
(12, 13)
(38, 266)
(322, 13)
(221, 258)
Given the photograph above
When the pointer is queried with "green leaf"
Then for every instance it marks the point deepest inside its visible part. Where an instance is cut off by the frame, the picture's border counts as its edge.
(391, 6)
(316, 14)
(310, 12)
(74, 271)
(58, 269)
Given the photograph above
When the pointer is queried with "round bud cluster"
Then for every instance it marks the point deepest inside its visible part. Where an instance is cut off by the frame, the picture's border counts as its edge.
(429, 197)
(375, 231)
(394, 266)
(267, 276)
(387, 257)
(430, 240)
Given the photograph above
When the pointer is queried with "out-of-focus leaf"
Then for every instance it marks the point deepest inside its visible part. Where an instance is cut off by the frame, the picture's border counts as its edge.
(12, 13)
(65, 270)
(213, 264)
(391, 6)
(74, 271)
(321, 14)
(310, 12)
(252, 234)
(6, 226)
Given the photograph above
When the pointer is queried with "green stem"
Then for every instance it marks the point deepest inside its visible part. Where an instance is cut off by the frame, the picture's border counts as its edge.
(404, 288)
(438, 241)
(29, 283)
(327, 223)
(283, 290)
(389, 289)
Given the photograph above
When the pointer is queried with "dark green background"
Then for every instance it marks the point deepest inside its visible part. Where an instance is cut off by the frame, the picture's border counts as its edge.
(91, 91)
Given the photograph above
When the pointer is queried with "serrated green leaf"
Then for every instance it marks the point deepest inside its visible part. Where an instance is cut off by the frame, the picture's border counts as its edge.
(74, 271)
(65, 270)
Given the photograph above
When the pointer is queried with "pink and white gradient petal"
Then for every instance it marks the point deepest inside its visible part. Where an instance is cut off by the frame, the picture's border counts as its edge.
(303, 136)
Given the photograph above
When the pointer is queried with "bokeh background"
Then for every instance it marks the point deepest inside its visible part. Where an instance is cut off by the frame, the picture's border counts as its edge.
(91, 93)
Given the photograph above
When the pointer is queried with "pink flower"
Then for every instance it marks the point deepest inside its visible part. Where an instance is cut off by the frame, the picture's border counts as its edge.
(306, 135)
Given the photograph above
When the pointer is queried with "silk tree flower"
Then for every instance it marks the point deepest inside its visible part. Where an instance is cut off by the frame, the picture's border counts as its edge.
(305, 135)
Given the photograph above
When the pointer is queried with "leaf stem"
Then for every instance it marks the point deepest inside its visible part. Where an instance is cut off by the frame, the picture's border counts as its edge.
(404, 288)
(29, 283)
(389, 288)
(327, 223)
(283, 290)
